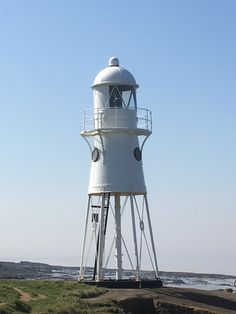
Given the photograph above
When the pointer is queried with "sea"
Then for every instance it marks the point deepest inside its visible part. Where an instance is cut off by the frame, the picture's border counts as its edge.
(198, 281)
(169, 279)
(32, 270)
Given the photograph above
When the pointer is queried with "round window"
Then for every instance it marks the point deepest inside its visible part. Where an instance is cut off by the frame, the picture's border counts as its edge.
(95, 154)
(137, 154)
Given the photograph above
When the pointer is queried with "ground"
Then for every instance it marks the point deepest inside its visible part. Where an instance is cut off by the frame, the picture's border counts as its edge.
(172, 300)
(62, 297)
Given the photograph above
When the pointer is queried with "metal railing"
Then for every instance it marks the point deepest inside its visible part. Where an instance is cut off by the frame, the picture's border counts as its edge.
(93, 118)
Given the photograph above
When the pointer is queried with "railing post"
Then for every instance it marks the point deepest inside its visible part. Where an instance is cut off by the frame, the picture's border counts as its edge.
(88, 122)
(94, 118)
(150, 120)
(146, 115)
(101, 118)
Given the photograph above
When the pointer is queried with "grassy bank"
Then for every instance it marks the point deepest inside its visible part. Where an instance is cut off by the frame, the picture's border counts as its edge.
(69, 297)
(47, 296)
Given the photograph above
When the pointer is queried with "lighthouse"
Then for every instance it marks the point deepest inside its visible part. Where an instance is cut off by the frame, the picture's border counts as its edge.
(118, 226)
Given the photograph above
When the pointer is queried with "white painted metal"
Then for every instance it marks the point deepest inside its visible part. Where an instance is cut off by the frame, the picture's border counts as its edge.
(111, 75)
(115, 134)
(113, 62)
(84, 239)
(151, 234)
(118, 237)
(115, 130)
(135, 237)
(117, 171)
(100, 253)
(93, 121)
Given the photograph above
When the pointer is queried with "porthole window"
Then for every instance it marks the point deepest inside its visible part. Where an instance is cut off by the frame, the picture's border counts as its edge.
(95, 155)
(137, 154)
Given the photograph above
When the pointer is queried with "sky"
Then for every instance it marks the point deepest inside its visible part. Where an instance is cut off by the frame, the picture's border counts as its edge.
(182, 54)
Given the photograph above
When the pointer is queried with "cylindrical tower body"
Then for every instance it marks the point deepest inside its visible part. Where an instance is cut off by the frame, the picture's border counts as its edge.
(117, 170)
(112, 130)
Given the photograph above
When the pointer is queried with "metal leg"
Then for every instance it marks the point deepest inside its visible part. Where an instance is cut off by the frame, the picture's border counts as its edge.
(151, 234)
(84, 240)
(101, 242)
(118, 237)
(135, 236)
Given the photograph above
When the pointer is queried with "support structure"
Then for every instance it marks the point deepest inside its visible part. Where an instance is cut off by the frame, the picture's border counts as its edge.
(137, 230)
(135, 237)
(118, 237)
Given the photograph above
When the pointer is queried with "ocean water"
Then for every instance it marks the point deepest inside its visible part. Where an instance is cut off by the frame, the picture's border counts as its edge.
(169, 279)
(198, 281)
(32, 270)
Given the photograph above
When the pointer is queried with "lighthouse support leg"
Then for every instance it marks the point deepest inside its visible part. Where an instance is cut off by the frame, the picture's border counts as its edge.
(134, 236)
(118, 237)
(81, 275)
(151, 235)
(101, 242)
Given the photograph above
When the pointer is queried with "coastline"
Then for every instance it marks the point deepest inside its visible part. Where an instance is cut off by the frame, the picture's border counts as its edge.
(67, 296)
(182, 292)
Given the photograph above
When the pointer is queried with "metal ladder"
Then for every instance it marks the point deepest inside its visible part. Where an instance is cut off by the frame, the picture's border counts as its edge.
(106, 197)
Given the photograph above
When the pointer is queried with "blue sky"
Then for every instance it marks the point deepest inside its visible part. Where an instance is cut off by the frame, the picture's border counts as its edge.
(182, 54)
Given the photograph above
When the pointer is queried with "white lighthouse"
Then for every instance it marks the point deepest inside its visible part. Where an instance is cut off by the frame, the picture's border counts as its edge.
(118, 225)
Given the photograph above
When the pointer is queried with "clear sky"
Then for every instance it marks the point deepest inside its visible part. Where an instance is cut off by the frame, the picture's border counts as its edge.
(183, 56)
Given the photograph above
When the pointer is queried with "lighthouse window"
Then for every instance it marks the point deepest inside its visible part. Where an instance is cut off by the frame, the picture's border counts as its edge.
(122, 96)
(129, 98)
(115, 97)
(95, 155)
(137, 154)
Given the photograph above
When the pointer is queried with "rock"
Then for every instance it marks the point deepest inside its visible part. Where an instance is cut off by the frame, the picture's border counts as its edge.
(138, 305)
(229, 290)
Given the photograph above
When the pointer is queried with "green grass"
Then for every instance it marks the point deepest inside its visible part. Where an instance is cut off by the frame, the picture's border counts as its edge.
(49, 296)
(7, 294)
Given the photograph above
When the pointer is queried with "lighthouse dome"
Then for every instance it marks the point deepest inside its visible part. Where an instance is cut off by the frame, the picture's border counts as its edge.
(114, 75)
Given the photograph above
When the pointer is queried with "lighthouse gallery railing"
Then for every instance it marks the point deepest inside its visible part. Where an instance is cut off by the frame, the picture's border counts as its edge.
(92, 118)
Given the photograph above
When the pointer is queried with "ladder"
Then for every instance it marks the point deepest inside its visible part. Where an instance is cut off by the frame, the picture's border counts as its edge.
(106, 209)
(106, 198)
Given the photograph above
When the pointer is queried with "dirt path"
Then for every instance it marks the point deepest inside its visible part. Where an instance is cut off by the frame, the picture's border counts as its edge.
(25, 296)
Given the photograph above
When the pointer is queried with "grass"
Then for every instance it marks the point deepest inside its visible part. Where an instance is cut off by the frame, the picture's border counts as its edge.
(49, 296)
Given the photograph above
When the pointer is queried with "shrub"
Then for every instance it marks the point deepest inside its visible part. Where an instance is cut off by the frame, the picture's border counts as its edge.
(22, 306)
(6, 311)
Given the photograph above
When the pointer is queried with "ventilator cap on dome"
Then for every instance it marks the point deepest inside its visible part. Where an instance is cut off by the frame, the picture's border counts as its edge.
(114, 75)
(113, 62)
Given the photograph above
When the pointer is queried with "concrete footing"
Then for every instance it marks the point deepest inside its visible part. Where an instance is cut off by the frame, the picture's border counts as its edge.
(126, 284)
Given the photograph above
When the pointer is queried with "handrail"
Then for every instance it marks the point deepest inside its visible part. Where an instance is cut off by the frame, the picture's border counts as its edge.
(91, 116)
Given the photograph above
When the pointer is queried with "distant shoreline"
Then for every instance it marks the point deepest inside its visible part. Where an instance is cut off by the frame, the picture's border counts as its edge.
(32, 270)
(24, 265)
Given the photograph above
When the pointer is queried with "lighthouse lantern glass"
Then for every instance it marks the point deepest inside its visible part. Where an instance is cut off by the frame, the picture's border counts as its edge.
(122, 96)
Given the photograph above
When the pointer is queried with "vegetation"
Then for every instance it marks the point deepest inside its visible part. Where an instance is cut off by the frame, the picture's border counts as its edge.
(50, 296)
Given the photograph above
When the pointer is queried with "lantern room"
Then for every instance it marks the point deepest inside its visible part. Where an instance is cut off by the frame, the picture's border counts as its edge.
(114, 87)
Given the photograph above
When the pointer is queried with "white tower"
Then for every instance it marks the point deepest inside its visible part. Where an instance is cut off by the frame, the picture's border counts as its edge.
(116, 130)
